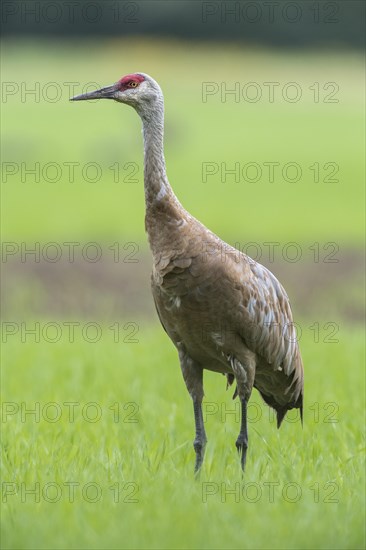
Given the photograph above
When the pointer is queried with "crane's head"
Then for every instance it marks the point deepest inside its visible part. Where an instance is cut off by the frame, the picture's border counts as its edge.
(138, 90)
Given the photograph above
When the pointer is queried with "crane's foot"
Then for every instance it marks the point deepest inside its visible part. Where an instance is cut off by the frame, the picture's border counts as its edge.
(199, 447)
(242, 446)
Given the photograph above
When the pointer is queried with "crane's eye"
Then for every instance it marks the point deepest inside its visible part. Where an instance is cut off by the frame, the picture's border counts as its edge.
(132, 84)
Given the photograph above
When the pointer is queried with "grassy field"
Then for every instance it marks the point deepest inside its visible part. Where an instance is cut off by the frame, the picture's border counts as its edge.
(108, 449)
(126, 445)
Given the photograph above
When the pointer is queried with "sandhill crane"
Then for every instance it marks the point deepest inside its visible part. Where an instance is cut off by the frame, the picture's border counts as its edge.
(223, 311)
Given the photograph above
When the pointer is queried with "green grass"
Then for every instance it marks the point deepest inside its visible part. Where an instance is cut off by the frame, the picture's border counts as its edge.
(149, 446)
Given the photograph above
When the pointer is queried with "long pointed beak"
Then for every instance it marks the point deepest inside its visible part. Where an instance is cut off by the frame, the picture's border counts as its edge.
(104, 93)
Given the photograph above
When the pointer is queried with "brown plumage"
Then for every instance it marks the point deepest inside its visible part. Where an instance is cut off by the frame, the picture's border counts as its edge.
(223, 311)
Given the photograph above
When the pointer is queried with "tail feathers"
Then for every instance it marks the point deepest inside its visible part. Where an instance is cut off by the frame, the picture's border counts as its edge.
(301, 417)
(281, 413)
(281, 410)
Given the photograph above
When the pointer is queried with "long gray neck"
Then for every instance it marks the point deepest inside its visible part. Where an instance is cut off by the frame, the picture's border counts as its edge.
(163, 210)
(156, 182)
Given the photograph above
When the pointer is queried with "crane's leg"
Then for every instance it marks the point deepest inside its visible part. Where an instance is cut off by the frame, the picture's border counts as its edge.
(199, 443)
(244, 372)
(242, 441)
(193, 377)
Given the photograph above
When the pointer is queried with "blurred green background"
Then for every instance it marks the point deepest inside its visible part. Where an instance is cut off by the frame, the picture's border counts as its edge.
(321, 215)
(197, 132)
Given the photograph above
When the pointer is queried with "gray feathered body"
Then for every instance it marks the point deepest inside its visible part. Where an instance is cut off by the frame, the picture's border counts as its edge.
(227, 312)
